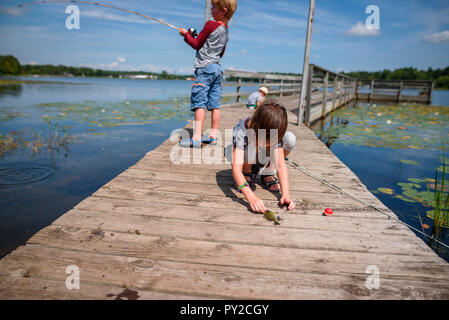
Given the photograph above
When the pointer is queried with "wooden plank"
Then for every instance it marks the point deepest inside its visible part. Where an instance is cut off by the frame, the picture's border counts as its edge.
(324, 103)
(257, 84)
(208, 252)
(334, 92)
(209, 280)
(243, 234)
(258, 75)
(151, 190)
(26, 288)
(227, 214)
(200, 209)
(308, 92)
(342, 220)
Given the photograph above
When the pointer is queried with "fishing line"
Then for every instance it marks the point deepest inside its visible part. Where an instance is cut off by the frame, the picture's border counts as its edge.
(333, 186)
(95, 4)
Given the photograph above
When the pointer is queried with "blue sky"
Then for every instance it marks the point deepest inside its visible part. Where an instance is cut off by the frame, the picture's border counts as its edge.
(265, 35)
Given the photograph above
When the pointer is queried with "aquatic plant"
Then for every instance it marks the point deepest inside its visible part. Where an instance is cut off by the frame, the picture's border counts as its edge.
(7, 143)
(401, 126)
(441, 201)
(113, 114)
(54, 140)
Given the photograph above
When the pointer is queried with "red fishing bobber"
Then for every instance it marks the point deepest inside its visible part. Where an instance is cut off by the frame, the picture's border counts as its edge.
(328, 212)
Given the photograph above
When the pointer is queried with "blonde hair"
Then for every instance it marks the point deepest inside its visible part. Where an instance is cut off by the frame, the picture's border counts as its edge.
(231, 5)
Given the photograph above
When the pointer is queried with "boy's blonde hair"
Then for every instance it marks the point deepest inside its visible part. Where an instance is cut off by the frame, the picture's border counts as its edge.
(231, 5)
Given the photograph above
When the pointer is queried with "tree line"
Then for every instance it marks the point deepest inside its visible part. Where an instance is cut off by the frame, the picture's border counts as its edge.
(9, 65)
(440, 76)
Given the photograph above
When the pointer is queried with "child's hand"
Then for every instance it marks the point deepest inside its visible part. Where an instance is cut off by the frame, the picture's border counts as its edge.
(285, 200)
(257, 205)
(182, 31)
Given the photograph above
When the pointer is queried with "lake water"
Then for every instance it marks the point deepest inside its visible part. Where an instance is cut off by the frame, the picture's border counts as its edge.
(63, 138)
(395, 150)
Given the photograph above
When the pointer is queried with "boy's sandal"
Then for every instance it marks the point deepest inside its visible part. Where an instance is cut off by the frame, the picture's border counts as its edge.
(252, 177)
(190, 143)
(268, 184)
(209, 140)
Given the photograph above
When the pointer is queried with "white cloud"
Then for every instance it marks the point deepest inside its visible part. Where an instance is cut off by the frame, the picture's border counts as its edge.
(32, 63)
(113, 65)
(439, 37)
(121, 59)
(360, 30)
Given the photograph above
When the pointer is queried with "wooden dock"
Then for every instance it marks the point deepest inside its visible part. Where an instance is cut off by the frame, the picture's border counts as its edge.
(165, 231)
(327, 90)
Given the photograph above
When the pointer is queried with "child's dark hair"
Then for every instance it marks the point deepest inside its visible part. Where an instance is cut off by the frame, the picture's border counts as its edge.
(270, 115)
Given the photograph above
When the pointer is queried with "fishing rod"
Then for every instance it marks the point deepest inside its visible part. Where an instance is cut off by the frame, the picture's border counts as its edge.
(191, 30)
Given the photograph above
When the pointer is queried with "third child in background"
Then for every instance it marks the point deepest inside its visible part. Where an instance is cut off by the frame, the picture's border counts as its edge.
(256, 98)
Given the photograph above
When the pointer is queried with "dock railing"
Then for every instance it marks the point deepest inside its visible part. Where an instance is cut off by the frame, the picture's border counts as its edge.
(278, 85)
(326, 90)
(321, 99)
(395, 90)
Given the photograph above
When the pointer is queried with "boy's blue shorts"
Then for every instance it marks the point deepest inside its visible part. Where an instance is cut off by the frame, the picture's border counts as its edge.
(206, 91)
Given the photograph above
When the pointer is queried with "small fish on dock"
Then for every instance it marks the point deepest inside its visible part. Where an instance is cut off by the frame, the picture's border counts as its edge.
(270, 215)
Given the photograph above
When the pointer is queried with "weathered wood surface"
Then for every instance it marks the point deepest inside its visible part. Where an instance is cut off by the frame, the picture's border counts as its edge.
(165, 231)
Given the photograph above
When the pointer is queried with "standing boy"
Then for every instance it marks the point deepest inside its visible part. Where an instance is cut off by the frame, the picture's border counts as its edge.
(206, 91)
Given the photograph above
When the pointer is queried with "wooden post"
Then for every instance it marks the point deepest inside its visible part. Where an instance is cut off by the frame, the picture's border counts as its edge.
(429, 95)
(334, 93)
(325, 82)
(371, 90)
(237, 99)
(340, 93)
(207, 16)
(309, 95)
(281, 88)
(305, 71)
(398, 96)
(356, 90)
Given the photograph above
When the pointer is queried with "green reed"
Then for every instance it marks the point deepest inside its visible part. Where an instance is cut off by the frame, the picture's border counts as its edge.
(441, 203)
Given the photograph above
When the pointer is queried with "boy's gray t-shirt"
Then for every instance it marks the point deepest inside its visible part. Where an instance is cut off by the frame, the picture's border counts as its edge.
(210, 43)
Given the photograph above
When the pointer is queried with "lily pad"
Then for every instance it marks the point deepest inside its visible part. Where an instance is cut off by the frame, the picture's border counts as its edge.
(403, 126)
(411, 162)
(386, 190)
